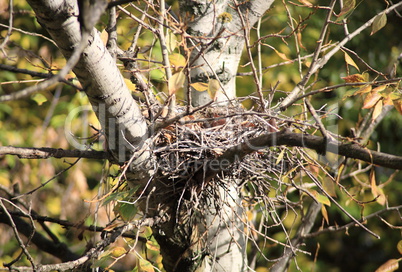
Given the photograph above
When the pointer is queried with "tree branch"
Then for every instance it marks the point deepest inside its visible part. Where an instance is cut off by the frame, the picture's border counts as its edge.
(47, 152)
(59, 250)
(286, 137)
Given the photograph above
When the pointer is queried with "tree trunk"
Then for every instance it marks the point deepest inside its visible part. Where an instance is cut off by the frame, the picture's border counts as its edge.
(211, 238)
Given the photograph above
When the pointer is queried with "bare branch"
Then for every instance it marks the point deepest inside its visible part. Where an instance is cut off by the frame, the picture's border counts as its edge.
(292, 97)
(47, 152)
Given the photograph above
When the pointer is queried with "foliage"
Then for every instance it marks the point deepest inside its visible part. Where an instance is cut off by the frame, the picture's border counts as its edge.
(350, 91)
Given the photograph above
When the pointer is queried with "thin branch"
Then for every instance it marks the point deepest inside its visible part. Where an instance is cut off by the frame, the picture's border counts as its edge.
(35, 74)
(304, 228)
(351, 224)
(286, 137)
(250, 56)
(292, 97)
(30, 33)
(47, 152)
(9, 28)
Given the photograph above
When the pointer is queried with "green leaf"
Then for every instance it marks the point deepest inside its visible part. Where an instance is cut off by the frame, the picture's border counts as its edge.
(348, 7)
(39, 98)
(126, 210)
(146, 266)
(379, 22)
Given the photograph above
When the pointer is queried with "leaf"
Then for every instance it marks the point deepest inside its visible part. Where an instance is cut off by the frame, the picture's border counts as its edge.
(379, 22)
(348, 6)
(375, 190)
(118, 251)
(371, 99)
(176, 82)
(39, 98)
(306, 3)
(104, 36)
(200, 86)
(102, 260)
(329, 186)
(213, 88)
(146, 266)
(380, 88)
(350, 61)
(321, 198)
(177, 60)
(280, 157)
(171, 41)
(324, 214)
(152, 245)
(354, 78)
(363, 90)
(127, 211)
(281, 55)
(377, 110)
(389, 266)
(399, 246)
(398, 105)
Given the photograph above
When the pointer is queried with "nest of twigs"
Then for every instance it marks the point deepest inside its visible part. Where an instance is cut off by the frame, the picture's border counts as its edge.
(185, 151)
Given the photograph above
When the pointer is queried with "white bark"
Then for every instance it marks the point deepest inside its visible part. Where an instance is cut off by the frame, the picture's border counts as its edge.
(218, 37)
(120, 117)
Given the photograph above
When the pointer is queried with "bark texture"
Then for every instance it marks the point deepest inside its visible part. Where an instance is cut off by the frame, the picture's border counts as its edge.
(120, 117)
(217, 31)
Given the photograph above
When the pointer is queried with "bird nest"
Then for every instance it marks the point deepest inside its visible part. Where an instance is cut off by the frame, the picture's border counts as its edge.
(188, 151)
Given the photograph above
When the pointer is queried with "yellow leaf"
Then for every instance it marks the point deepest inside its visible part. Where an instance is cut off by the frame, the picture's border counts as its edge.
(131, 86)
(324, 214)
(306, 3)
(389, 266)
(364, 89)
(398, 105)
(380, 88)
(379, 22)
(104, 36)
(350, 61)
(281, 55)
(213, 88)
(171, 41)
(375, 190)
(377, 110)
(152, 245)
(176, 82)
(146, 266)
(118, 251)
(399, 246)
(177, 60)
(371, 99)
(199, 86)
(280, 157)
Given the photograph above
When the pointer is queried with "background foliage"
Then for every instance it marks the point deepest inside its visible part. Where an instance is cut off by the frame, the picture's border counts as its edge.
(39, 121)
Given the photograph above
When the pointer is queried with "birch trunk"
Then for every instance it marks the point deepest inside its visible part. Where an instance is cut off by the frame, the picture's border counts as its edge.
(184, 247)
